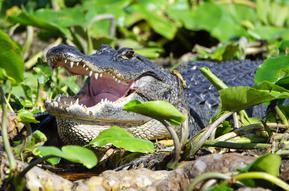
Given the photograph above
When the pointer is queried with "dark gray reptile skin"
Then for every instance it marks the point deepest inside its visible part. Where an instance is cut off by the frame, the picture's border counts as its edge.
(202, 95)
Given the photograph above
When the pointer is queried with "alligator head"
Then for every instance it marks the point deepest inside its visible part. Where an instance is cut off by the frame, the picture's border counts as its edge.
(115, 77)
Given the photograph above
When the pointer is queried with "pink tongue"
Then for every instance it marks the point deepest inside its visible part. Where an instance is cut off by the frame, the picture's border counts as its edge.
(103, 88)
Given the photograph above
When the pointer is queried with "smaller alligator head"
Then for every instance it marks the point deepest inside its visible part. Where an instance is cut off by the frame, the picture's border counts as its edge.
(115, 77)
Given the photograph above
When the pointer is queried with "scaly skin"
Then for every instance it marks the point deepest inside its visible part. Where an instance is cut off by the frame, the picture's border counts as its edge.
(133, 75)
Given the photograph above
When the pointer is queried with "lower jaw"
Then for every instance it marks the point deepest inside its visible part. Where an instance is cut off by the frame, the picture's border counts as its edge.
(76, 132)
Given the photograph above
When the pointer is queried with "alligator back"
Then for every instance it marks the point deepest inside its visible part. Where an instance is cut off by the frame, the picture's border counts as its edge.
(202, 96)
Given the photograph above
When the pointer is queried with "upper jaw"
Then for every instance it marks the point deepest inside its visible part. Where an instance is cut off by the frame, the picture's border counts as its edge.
(107, 61)
(96, 65)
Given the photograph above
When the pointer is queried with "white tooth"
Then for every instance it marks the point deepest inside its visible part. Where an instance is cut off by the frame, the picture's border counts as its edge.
(90, 73)
(83, 66)
(71, 64)
(77, 63)
(100, 75)
(86, 69)
(96, 75)
(77, 101)
(65, 61)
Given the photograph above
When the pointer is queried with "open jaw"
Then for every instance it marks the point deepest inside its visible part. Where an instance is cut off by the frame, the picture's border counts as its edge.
(102, 87)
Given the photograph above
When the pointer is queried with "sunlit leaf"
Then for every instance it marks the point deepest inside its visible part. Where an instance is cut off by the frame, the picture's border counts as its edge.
(49, 150)
(160, 110)
(269, 163)
(273, 69)
(10, 59)
(71, 153)
(121, 138)
(243, 97)
(80, 154)
(26, 116)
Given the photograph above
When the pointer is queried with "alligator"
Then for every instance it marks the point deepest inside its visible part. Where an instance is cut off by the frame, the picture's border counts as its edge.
(116, 77)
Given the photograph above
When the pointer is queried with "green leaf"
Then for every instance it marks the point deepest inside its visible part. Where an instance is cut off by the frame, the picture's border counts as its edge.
(80, 154)
(26, 116)
(71, 153)
(37, 139)
(243, 97)
(121, 138)
(160, 110)
(269, 163)
(153, 13)
(269, 32)
(52, 20)
(49, 150)
(10, 59)
(273, 69)
(263, 9)
(220, 22)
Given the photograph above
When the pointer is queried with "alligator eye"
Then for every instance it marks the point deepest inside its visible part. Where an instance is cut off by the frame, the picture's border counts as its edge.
(126, 53)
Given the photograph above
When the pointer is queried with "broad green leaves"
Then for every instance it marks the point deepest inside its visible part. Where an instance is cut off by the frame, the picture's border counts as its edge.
(160, 110)
(154, 13)
(71, 153)
(273, 69)
(121, 138)
(11, 62)
(220, 23)
(51, 20)
(140, 20)
(243, 97)
(272, 82)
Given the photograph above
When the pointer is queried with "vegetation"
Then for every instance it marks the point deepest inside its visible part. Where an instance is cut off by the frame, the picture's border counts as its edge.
(216, 30)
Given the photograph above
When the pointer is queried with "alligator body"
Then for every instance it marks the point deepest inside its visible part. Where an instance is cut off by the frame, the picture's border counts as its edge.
(117, 76)
(202, 96)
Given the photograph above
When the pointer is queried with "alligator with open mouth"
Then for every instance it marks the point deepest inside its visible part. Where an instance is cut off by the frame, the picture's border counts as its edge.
(116, 77)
